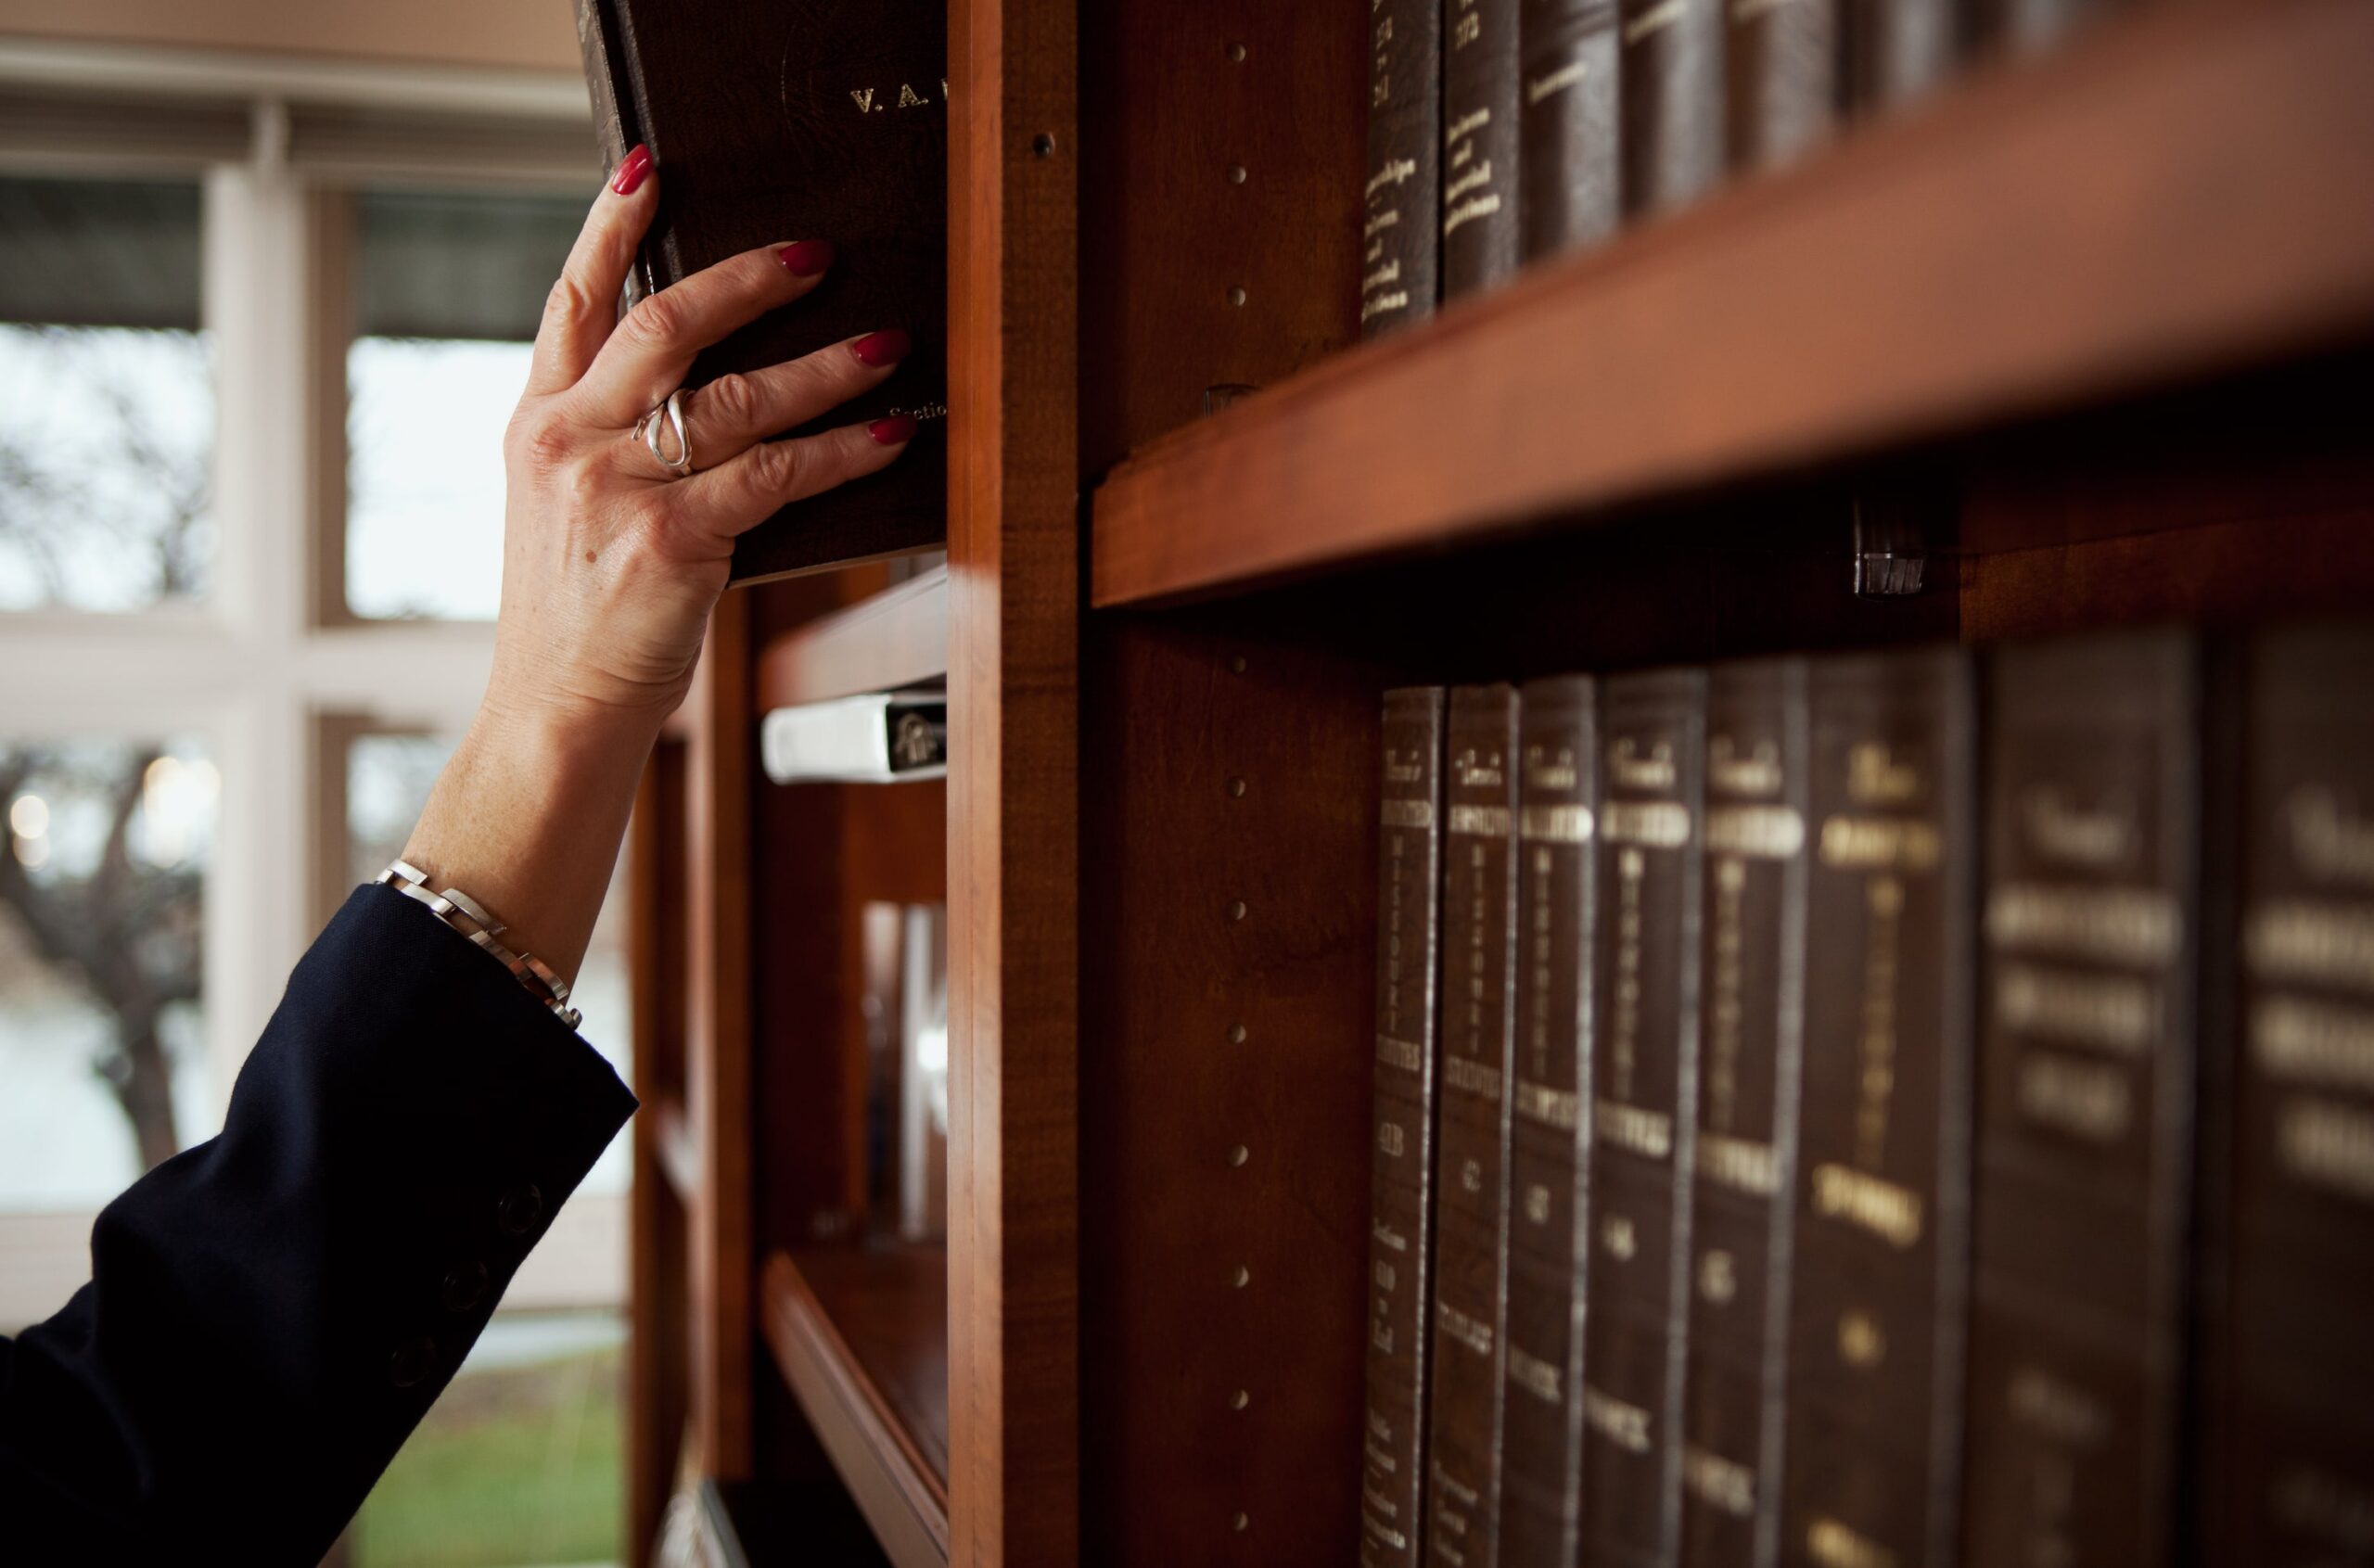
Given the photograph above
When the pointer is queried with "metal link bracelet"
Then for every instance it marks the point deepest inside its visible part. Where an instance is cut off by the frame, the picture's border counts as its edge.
(469, 917)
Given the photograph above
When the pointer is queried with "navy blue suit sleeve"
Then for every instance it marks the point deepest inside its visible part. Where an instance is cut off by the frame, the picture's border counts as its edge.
(271, 1312)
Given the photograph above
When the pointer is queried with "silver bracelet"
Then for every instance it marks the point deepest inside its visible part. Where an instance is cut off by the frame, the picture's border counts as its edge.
(469, 917)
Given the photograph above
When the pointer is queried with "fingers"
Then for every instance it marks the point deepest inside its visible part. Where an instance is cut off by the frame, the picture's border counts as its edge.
(739, 494)
(646, 359)
(583, 305)
(731, 412)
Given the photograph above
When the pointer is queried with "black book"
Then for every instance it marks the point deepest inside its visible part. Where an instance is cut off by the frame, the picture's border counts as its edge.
(1400, 240)
(1568, 117)
(772, 120)
(1480, 151)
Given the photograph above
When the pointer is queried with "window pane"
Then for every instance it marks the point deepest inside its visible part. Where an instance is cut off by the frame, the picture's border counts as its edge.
(448, 290)
(102, 1049)
(107, 396)
(520, 1462)
(388, 780)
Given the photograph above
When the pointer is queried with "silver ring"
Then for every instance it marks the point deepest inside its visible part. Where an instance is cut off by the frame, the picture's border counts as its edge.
(647, 428)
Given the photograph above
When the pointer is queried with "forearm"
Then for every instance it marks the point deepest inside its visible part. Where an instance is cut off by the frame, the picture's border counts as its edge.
(527, 818)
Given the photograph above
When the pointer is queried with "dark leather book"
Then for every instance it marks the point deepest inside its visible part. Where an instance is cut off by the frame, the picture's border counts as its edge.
(772, 120)
(2290, 1477)
(1750, 1042)
(2086, 1069)
(1399, 239)
(2022, 25)
(1879, 1282)
(1781, 79)
(1569, 112)
(1401, 1154)
(1478, 1013)
(1480, 152)
(1644, 1073)
(1557, 813)
(1672, 74)
(1897, 50)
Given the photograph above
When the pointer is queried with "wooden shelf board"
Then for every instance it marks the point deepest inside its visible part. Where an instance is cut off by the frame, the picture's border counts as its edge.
(897, 638)
(860, 1334)
(2177, 194)
(676, 1148)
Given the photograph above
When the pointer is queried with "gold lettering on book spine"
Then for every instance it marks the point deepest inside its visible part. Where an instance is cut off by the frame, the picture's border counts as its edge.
(2304, 1041)
(1725, 1015)
(1869, 1202)
(1718, 1483)
(1832, 1545)
(1624, 1022)
(2314, 940)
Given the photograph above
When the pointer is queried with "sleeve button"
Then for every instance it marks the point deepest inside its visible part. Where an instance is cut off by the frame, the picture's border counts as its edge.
(465, 1286)
(413, 1362)
(521, 1208)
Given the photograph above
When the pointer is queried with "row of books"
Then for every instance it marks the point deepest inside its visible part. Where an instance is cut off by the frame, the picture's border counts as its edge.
(1503, 131)
(1879, 1110)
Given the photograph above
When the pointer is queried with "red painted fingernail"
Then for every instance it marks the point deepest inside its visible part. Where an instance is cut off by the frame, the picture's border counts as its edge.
(632, 170)
(897, 430)
(878, 348)
(806, 258)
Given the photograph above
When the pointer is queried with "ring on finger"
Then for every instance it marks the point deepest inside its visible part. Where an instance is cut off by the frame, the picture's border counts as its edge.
(661, 424)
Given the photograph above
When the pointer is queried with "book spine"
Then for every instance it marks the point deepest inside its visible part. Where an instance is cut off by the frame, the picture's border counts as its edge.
(1879, 1281)
(1781, 79)
(1644, 1072)
(1897, 50)
(1570, 183)
(609, 86)
(1751, 1049)
(1480, 153)
(1558, 797)
(1401, 1153)
(2086, 1100)
(2293, 1462)
(1673, 101)
(1399, 241)
(1471, 1174)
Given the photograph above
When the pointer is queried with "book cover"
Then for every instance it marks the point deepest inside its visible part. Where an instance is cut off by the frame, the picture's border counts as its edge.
(800, 119)
(1400, 240)
(1480, 151)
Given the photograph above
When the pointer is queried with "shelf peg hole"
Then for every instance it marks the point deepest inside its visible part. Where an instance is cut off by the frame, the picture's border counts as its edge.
(1237, 173)
(1241, 1278)
(1238, 1153)
(1239, 1399)
(1236, 664)
(1042, 145)
(1236, 53)
(1236, 789)
(1236, 909)
(1236, 294)
(1241, 1525)
(1237, 1034)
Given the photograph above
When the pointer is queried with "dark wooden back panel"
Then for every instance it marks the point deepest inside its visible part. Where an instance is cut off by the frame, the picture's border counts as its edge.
(1227, 943)
(1191, 277)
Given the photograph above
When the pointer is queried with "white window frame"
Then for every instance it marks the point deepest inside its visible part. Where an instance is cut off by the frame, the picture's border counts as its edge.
(270, 670)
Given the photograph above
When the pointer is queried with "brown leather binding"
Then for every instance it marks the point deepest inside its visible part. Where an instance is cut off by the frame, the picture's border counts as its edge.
(1750, 1050)
(1471, 1187)
(1558, 796)
(2087, 1068)
(1643, 1113)
(1400, 229)
(1480, 151)
(1401, 1153)
(1879, 1281)
(1568, 114)
(772, 120)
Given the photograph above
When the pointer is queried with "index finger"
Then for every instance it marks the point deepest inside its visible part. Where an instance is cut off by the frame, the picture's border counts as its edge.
(583, 306)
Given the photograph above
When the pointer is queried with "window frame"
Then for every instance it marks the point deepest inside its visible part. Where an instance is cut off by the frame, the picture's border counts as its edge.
(271, 669)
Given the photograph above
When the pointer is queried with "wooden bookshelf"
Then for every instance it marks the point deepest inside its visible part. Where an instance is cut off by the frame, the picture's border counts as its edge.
(2174, 197)
(2098, 320)
(861, 1334)
(896, 638)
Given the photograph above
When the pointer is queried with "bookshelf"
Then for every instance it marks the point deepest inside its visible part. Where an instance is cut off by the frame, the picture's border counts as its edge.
(2098, 322)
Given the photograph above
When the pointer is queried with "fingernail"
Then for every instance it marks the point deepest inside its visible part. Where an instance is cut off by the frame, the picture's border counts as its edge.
(632, 170)
(878, 348)
(806, 258)
(897, 430)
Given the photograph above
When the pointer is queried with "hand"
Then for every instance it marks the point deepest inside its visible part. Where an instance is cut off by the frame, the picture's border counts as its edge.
(611, 564)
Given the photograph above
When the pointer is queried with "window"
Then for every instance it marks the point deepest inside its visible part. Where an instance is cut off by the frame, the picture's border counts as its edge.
(257, 347)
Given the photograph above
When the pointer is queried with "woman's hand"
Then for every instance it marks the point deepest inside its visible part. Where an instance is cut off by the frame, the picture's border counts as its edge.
(611, 564)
